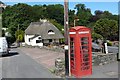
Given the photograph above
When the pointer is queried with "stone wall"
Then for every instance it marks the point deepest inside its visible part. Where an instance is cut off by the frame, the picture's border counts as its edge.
(60, 67)
(102, 59)
(97, 60)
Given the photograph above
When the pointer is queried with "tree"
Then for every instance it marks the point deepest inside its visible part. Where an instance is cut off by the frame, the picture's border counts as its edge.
(19, 34)
(17, 14)
(20, 38)
(98, 12)
(96, 36)
(3, 33)
(83, 14)
(39, 11)
(56, 12)
(59, 26)
(106, 27)
(103, 14)
(71, 17)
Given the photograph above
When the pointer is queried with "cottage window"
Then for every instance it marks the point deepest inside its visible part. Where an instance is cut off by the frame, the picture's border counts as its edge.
(51, 32)
(29, 39)
(39, 37)
(50, 40)
(38, 41)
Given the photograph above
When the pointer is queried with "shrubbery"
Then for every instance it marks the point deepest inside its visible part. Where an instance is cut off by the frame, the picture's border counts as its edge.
(109, 43)
(96, 36)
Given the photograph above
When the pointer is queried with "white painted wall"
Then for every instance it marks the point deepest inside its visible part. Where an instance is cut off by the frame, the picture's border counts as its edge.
(27, 39)
(32, 41)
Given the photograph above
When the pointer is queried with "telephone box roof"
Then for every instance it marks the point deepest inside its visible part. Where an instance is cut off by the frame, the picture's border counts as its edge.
(79, 27)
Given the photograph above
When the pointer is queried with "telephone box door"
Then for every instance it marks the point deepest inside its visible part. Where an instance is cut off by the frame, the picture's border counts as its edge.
(72, 53)
(85, 56)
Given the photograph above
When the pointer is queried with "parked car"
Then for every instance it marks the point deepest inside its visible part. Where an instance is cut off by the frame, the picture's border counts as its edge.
(3, 46)
(14, 45)
(113, 49)
(95, 47)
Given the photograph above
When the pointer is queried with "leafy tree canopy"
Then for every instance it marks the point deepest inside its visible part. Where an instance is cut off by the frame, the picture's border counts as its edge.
(83, 14)
(21, 15)
(106, 27)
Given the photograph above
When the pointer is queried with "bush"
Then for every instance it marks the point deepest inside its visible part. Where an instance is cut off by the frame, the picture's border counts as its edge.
(20, 38)
(19, 35)
(109, 43)
(96, 36)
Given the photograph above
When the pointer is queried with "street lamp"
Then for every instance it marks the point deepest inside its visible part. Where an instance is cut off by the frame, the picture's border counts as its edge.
(75, 21)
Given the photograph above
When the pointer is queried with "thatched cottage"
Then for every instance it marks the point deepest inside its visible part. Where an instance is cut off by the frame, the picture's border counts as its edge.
(40, 33)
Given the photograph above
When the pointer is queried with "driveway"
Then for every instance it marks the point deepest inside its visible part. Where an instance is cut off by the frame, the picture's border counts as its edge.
(43, 56)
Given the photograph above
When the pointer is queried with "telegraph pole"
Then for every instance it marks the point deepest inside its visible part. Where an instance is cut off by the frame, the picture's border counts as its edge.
(1, 23)
(66, 34)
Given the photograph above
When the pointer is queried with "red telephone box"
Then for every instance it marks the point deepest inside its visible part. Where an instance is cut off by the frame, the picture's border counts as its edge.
(80, 51)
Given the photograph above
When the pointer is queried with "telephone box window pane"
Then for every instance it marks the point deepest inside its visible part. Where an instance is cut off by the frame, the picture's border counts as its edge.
(84, 50)
(84, 38)
(71, 39)
(72, 59)
(86, 55)
(84, 47)
(84, 43)
(71, 45)
(72, 55)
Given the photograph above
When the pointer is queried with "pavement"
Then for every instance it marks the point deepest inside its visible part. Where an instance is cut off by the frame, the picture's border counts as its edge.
(105, 71)
(19, 65)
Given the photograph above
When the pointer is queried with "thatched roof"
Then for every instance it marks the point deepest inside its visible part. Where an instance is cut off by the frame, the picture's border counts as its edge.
(42, 28)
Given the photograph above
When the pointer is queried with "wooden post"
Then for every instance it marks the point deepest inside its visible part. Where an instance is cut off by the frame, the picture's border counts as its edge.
(66, 34)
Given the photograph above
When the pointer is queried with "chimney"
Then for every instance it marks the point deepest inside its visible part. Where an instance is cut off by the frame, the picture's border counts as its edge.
(44, 20)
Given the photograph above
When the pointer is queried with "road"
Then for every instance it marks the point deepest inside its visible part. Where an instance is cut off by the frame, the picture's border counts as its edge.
(19, 65)
(113, 49)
